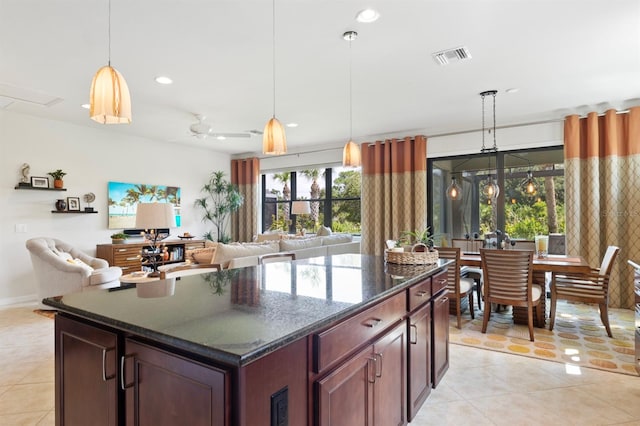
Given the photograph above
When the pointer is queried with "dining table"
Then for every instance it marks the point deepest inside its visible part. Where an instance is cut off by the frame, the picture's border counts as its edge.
(567, 264)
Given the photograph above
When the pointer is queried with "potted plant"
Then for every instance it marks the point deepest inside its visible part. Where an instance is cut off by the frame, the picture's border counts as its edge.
(421, 240)
(222, 198)
(57, 178)
(118, 238)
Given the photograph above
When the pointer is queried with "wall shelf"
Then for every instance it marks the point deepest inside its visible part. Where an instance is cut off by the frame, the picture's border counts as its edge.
(40, 189)
(74, 212)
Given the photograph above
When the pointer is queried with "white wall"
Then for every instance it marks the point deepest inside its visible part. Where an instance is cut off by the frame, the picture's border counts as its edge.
(91, 157)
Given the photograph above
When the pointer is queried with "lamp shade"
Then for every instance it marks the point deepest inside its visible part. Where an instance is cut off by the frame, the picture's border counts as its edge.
(274, 141)
(110, 102)
(351, 155)
(454, 192)
(155, 216)
(300, 207)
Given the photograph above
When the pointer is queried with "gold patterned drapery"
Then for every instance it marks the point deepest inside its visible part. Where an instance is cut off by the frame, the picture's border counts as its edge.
(394, 190)
(245, 173)
(602, 193)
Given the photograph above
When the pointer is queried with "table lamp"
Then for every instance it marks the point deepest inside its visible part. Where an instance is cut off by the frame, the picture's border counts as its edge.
(152, 217)
(300, 207)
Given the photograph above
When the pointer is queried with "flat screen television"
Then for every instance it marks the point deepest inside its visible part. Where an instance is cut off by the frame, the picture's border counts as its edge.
(124, 197)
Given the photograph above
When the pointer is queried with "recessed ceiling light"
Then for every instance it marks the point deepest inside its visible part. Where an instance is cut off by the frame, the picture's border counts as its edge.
(85, 106)
(221, 138)
(367, 16)
(292, 124)
(163, 80)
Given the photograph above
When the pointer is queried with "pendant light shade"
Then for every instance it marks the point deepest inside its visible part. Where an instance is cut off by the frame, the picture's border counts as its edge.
(351, 155)
(351, 151)
(274, 141)
(110, 102)
(490, 189)
(454, 192)
(529, 186)
(109, 99)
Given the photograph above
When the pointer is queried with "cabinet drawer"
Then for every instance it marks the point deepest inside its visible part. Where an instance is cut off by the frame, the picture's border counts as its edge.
(418, 294)
(337, 342)
(438, 282)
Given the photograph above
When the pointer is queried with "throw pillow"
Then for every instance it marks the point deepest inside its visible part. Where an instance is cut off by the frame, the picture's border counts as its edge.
(260, 238)
(337, 239)
(226, 252)
(201, 255)
(79, 262)
(323, 231)
(290, 245)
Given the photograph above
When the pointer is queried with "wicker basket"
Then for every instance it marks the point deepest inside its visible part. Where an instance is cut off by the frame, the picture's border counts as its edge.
(411, 258)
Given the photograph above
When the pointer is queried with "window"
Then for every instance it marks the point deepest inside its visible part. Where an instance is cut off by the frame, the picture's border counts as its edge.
(333, 194)
(516, 212)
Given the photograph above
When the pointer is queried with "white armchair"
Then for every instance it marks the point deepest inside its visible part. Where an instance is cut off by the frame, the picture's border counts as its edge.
(60, 268)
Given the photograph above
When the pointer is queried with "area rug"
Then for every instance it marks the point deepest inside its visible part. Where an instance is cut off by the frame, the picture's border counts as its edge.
(578, 337)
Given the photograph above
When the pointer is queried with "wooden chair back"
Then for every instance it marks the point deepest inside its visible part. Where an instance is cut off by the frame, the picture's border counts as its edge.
(467, 246)
(508, 276)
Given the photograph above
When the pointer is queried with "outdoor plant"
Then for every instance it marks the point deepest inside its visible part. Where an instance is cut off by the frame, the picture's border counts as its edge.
(221, 199)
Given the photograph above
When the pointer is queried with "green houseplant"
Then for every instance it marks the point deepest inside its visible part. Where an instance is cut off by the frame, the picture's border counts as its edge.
(57, 178)
(221, 199)
(118, 238)
(417, 237)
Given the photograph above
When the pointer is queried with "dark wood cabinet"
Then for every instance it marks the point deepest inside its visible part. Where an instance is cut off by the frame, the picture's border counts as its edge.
(165, 389)
(127, 255)
(419, 358)
(440, 337)
(86, 372)
(369, 388)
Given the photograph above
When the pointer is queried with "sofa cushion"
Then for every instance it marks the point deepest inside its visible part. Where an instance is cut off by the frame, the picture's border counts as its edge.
(201, 255)
(226, 252)
(274, 236)
(324, 231)
(292, 245)
(337, 239)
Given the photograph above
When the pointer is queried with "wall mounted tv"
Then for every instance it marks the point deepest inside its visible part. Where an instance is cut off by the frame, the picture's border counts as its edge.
(124, 197)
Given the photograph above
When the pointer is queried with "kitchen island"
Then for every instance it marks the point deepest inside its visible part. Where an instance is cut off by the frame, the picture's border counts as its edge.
(343, 339)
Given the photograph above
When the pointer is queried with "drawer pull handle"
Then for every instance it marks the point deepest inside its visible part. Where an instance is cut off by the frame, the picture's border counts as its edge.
(104, 365)
(124, 386)
(369, 377)
(374, 322)
(443, 281)
(121, 250)
(444, 300)
(422, 293)
(415, 328)
(375, 356)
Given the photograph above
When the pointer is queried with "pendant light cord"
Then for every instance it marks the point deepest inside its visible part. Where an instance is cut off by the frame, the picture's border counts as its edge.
(350, 92)
(495, 148)
(109, 32)
(274, 56)
(483, 147)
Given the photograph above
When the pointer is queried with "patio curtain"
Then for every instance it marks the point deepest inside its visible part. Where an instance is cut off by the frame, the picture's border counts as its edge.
(245, 173)
(394, 190)
(602, 193)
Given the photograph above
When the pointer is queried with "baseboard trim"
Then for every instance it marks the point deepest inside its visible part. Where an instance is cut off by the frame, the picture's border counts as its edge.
(18, 300)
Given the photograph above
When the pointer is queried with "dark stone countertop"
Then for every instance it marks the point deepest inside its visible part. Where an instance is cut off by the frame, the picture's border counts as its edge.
(236, 316)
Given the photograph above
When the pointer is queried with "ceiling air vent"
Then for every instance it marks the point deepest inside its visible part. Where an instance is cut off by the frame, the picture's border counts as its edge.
(456, 54)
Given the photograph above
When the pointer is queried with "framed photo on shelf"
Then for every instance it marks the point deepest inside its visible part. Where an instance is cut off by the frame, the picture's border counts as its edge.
(39, 182)
(73, 204)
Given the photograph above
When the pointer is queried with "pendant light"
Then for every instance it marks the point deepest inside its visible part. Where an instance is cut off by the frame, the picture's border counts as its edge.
(529, 185)
(351, 152)
(454, 192)
(274, 140)
(109, 99)
(490, 189)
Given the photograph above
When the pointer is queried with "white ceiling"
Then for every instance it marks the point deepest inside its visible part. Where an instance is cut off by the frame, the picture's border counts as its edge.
(564, 56)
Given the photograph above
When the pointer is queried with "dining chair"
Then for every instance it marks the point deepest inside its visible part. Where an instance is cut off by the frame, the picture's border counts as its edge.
(508, 280)
(588, 287)
(276, 257)
(458, 287)
(471, 246)
(191, 269)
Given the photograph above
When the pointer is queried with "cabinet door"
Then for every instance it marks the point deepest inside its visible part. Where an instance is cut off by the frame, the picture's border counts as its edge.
(345, 396)
(86, 374)
(440, 337)
(389, 389)
(419, 356)
(166, 389)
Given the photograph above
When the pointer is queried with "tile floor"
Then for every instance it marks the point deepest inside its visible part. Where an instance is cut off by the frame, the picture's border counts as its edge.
(480, 388)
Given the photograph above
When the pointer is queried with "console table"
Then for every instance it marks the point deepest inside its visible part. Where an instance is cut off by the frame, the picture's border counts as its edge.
(127, 255)
(327, 340)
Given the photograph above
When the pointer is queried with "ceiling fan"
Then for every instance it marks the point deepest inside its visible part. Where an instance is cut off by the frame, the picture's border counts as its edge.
(201, 130)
